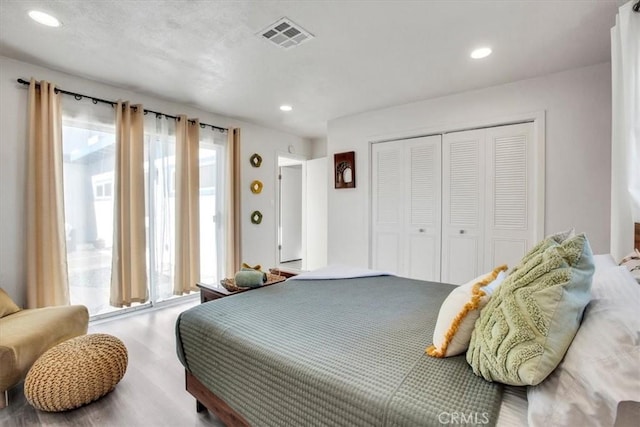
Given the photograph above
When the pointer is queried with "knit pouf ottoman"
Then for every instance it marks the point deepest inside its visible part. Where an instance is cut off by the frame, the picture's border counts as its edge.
(76, 372)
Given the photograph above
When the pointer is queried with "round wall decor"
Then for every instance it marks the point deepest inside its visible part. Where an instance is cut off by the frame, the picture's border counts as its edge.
(256, 160)
(256, 187)
(256, 217)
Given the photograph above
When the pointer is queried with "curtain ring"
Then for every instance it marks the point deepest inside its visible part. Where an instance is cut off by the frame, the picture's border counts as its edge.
(95, 101)
(77, 97)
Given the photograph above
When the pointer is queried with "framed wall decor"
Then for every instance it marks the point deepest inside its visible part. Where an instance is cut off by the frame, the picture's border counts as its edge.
(256, 187)
(256, 217)
(255, 160)
(345, 169)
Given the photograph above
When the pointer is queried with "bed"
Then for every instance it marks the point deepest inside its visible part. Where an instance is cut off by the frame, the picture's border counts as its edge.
(339, 352)
(342, 352)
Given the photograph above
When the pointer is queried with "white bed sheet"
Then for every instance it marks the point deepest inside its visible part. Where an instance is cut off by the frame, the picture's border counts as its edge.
(337, 271)
(513, 409)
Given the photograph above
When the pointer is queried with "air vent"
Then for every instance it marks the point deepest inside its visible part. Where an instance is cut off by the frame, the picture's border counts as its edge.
(285, 34)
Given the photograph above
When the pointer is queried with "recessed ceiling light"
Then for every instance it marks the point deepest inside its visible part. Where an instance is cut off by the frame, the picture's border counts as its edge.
(286, 107)
(482, 52)
(44, 18)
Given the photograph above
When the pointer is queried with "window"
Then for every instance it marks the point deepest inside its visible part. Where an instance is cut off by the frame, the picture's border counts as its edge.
(103, 186)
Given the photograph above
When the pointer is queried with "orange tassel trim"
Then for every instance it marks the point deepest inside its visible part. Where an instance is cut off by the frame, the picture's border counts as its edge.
(476, 295)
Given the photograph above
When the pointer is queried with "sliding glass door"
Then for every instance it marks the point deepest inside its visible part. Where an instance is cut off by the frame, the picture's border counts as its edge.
(211, 192)
(160, 149)
(89, 163)
(88, 166)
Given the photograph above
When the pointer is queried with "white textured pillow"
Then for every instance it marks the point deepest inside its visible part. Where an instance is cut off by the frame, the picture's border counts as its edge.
(459, 312)
(600, 368)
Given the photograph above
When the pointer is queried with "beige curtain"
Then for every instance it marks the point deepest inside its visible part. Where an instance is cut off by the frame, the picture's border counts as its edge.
(129, 267)
(47, 282)
(233, 242)
(187, 253)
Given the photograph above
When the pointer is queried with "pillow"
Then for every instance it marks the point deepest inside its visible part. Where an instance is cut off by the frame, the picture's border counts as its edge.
(459, 313)
(600, 370)
(632, 262)
(527, 326)
(491, 287)
(542, 245)
(7, 306)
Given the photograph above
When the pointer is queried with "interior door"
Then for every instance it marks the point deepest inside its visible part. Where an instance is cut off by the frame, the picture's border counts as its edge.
(463, 206)
(510, 194)
(387, 215)
(316, 213)
(453, 207)
(422, 231)
(290, 213)
(406, 201)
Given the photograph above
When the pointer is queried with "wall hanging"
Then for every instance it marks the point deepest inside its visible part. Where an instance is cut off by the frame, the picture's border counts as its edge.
(256, 187)
(345, 169)
(256, 217)
(255, 160)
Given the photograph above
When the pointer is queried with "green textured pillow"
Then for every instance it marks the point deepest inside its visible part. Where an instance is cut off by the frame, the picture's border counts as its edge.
(544, 244)
(527, 326)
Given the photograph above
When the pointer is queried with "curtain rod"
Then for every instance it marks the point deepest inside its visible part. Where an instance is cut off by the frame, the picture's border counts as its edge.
(79, 96)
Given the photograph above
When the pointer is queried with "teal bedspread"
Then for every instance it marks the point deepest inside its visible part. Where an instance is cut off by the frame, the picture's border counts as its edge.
(333, 352)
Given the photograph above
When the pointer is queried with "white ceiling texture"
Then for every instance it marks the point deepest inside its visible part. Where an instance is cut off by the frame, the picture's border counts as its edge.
(365, 54)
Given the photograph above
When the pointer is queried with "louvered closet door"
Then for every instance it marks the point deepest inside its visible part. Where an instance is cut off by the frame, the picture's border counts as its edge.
(406, 206)
(463, 206)
(422, 203)
(387, 210)
(510, 194)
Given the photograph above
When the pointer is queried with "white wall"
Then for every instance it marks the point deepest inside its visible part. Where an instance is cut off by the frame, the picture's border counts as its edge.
(318, 148)
(258, 242)
(577, 104)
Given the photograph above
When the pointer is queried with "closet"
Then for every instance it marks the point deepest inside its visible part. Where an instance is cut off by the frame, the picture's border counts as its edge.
(451, 207)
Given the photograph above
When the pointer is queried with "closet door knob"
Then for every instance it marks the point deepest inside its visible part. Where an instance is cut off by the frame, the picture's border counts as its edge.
(461, 231)
(421, 230)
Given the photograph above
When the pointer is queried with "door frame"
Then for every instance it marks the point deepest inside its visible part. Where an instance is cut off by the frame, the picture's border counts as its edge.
(298, 159)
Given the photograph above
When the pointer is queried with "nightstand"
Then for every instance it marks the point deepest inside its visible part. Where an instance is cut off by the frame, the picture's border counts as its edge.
(211, 291)
(285, 273)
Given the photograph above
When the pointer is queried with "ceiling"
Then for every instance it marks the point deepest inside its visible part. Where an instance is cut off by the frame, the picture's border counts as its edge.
(365, 54)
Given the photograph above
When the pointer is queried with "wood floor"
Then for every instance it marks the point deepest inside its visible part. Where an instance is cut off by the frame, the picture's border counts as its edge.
(152, 392)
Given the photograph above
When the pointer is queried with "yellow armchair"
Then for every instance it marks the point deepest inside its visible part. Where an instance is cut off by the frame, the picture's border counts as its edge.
(26, 334)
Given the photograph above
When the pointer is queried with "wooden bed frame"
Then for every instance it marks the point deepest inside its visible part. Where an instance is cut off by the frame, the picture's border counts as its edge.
(205, 399)
(637, 236)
